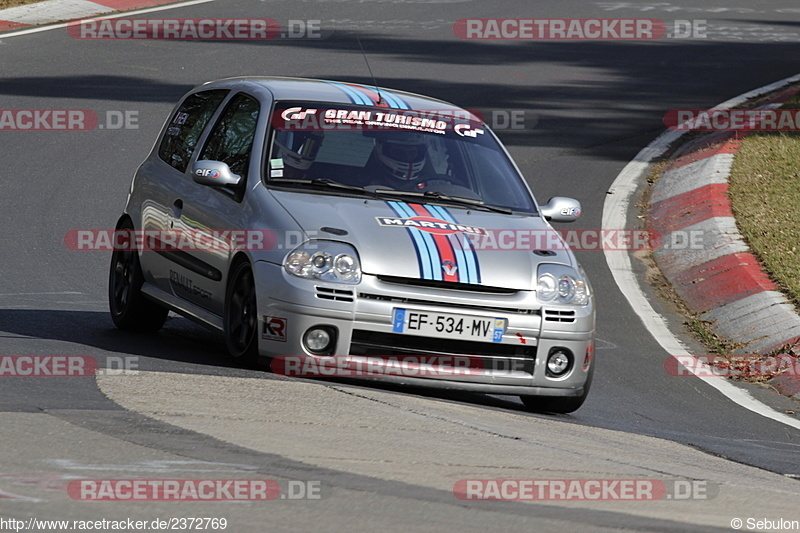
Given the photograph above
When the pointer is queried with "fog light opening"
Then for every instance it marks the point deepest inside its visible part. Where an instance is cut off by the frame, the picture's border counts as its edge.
(559, 362)
(319, 340)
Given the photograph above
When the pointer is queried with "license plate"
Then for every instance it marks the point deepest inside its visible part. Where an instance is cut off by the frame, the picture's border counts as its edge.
(464, 327)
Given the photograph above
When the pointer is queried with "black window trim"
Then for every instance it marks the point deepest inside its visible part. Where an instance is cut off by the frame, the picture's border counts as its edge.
(201, 139)
(237, 194)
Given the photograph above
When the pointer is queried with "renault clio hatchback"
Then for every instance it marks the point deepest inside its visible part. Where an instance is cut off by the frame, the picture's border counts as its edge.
(375, 233)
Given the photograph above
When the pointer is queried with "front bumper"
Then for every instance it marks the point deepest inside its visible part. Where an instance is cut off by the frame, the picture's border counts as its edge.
(361, 317)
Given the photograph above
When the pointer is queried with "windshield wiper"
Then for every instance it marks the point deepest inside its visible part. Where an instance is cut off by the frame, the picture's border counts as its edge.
(322, 182)
(379, 193)
(436, 195)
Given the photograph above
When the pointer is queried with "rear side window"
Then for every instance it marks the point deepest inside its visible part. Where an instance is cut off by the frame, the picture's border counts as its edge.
(231, 140)
(187, 125)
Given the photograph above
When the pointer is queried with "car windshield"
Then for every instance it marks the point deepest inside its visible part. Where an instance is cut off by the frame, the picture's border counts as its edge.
(391, 151)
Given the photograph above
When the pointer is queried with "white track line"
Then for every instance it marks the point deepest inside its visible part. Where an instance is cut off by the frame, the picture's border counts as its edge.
(615, 211)
(101, 17)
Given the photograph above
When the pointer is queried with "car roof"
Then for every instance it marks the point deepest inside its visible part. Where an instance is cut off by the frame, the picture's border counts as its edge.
(329, 91)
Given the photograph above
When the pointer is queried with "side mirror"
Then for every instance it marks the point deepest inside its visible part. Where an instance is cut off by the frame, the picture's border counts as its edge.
(214, 174)
(561, 209)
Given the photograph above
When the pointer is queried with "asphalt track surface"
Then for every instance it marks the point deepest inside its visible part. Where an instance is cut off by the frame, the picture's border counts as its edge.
(589, 107)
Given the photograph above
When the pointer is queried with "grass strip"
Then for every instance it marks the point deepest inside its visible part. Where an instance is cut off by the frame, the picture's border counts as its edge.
(765, 192)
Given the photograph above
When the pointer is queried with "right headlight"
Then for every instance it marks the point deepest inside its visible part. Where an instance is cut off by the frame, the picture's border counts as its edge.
(561, 285)
(324, 260)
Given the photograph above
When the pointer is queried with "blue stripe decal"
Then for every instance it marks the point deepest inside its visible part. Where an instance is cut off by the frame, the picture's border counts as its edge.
(391, 100)
(356, 97)
(423, 255)
(383, 94)
(472, 260)
(423, 263)
(339, 86)
(428, 250)
(403, 103)
(394, 100)
(470, 256)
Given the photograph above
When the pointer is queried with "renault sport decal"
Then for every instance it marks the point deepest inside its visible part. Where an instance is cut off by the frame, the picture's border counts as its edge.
(443, 246)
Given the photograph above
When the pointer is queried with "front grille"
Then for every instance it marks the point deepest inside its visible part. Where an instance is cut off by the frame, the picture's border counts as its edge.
(342, 295)
(375, 343)
(446, 285)
(417, 301)
(554, 315)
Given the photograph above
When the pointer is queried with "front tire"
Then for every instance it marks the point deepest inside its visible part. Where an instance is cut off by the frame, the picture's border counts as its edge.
(241, 316)
(560, 405)
(130, 309)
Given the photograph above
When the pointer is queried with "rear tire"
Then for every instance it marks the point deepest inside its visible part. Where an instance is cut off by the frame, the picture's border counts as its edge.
(241, 316)
(560, 405)
(130, 309)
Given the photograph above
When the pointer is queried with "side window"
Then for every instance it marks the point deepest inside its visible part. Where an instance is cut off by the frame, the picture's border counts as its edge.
(231, 140)
(187, 125)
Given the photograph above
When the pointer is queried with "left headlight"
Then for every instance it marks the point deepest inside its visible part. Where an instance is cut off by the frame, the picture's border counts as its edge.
(562, 285)
(324, 260)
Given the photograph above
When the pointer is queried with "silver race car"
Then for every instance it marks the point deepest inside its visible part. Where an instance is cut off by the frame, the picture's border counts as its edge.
(352, 231)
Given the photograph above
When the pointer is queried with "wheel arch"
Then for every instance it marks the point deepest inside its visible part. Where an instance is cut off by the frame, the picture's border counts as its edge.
(239, 257)
(125, 217)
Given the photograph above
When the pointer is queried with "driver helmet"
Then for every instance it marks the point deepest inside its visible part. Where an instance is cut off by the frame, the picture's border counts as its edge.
(298, 149)
(402, 155)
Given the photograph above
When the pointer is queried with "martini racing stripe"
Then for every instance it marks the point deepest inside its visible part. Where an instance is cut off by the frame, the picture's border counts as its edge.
(372, 95)
(441, 257)
(394, 101)
(365, 96)
(447, 256)
(465, 253)
(356, 97)
(423, 244)
(391, 100)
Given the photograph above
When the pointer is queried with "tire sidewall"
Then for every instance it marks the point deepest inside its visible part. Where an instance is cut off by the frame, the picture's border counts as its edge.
(249, 355)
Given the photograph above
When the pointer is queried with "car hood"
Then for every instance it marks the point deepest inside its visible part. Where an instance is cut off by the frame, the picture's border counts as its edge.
(432, 242)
